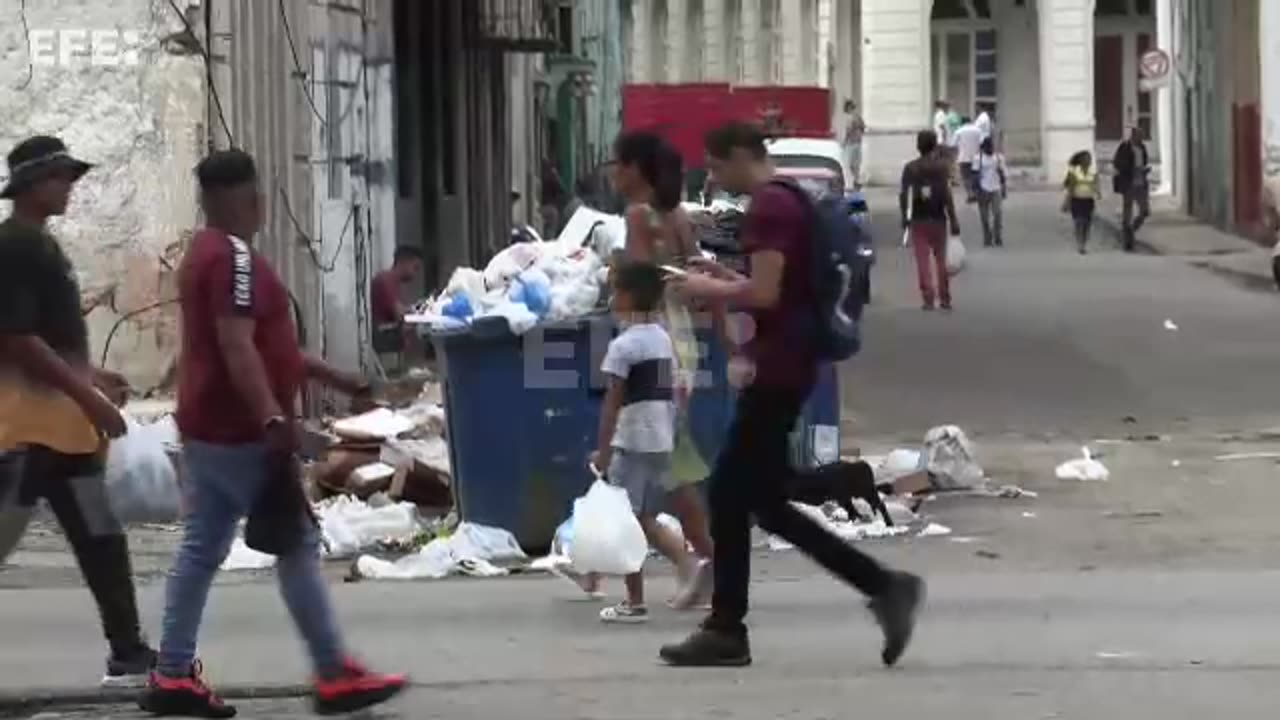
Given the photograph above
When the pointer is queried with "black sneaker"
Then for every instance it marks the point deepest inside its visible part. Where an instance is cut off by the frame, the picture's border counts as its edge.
(130, 671)
(183, 697)
(709, 647)
(895, 610)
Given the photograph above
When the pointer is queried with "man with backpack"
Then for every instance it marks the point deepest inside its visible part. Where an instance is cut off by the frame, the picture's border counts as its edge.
(803, 314)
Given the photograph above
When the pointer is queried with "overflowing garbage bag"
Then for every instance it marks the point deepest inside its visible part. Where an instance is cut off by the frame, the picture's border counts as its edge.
(142, 483)
(607, 537)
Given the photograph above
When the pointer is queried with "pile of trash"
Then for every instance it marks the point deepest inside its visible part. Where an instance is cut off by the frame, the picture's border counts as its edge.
(945, 461)
(531, 282)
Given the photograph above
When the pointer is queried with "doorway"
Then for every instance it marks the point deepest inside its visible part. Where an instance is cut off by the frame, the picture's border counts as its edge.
(1108, 86)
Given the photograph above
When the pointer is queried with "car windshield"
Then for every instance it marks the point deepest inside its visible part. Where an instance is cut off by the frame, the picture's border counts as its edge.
(808, 162)
(818, 183)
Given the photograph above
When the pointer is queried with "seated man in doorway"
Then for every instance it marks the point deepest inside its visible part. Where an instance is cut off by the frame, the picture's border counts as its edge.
(386, 304)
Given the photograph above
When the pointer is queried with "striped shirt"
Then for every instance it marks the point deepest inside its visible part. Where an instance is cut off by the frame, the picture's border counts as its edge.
(642, 356)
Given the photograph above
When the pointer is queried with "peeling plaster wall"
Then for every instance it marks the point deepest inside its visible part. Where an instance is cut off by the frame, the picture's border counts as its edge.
(143, 127)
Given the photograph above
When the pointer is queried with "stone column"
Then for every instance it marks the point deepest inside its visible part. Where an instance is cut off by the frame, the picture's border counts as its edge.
(793, 43)
(752, 46)
(1066, 82)
(1269, 47)
(895, 84)
(1169, 160)
(679, 43)
(714, 56)
(641, 59)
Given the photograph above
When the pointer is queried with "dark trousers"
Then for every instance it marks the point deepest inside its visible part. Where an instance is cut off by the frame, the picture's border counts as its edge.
(749, 479)
(1137, 197)
(75, 489)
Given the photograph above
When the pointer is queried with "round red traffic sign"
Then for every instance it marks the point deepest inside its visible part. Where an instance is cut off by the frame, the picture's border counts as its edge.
(1154, 64)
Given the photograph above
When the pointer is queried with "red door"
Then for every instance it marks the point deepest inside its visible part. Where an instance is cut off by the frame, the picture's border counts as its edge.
(1108, 86)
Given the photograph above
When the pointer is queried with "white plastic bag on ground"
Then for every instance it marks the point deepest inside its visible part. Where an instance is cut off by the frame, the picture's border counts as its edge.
(955, 255)
(470, 550)
(950, 459)
(606, 535)
(142, 484)
(900, 462)
(1084, 469)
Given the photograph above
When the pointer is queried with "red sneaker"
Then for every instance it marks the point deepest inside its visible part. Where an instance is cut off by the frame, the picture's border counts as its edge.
(183, 697)
(355, 690)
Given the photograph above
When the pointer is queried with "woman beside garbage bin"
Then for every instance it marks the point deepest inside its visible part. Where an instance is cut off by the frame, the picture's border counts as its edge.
(648, 173)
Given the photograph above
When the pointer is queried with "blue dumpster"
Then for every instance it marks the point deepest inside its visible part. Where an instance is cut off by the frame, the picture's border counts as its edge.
(522, 415)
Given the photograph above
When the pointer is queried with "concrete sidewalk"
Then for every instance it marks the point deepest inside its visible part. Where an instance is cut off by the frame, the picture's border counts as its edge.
(1169, 231)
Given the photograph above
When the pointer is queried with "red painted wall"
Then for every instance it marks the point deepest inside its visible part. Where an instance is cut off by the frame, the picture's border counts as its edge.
(684, 113)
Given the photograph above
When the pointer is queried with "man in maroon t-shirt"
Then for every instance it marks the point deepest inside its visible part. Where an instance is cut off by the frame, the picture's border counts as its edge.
(749, 476)
(240, 372)
(385, 303)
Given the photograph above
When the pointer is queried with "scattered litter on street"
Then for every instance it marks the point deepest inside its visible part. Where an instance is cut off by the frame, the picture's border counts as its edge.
(963, 540)
(987, 554)
(1029, 515)
(1084, 469)
(470, 550)
(1113, 655)
(934, 530)
(1170, 325)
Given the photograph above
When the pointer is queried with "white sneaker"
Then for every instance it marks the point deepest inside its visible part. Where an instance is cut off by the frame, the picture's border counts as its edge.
(625, 614)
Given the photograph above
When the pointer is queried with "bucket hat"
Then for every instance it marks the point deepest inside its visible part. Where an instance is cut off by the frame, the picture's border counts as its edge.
(35, 159)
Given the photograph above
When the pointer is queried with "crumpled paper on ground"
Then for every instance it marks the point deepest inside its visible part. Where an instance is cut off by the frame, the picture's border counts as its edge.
(471, 550)
(348, 526)
(1084, 469)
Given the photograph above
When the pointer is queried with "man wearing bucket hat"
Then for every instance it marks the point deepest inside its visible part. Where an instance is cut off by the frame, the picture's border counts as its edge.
(55, 419)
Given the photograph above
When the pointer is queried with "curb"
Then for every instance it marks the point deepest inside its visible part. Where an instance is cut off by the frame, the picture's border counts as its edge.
(21, 704)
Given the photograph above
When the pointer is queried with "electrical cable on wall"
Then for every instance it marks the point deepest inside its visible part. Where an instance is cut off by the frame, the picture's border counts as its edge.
(26, 34)
(208, 64)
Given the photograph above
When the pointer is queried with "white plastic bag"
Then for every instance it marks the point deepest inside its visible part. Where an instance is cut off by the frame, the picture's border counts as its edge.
(142, 484)
(1084, 469)
(949, 458)
(607, 537)
(955, 255)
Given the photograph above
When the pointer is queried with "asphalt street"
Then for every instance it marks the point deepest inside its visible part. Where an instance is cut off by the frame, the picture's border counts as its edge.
(1150, 596)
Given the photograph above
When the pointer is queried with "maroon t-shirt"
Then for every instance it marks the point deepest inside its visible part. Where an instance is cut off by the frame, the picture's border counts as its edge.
(384, 296)
(222, 275)
(782, 345)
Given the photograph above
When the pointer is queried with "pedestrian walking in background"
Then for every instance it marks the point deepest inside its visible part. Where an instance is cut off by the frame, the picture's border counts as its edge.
(55, 419)
(984, 121)
(968, 145)
(750, 475)
(1271, 222)
(853, 135)
(1082, 193)
(927, 207)
(1132, 166)
(992, 181)
(242, 369)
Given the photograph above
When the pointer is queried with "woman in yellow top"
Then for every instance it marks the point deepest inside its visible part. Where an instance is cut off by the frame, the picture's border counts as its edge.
(1081, 185)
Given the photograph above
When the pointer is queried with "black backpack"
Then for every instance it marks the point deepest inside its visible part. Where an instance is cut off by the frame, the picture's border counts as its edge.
(841, 266)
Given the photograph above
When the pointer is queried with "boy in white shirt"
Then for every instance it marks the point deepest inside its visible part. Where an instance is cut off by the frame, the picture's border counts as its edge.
(637, 421)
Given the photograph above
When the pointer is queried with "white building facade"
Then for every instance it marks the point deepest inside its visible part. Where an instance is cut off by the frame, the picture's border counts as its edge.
(1062, 75)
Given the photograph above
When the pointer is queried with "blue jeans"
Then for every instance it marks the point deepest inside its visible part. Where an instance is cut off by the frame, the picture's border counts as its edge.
(222, 484)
